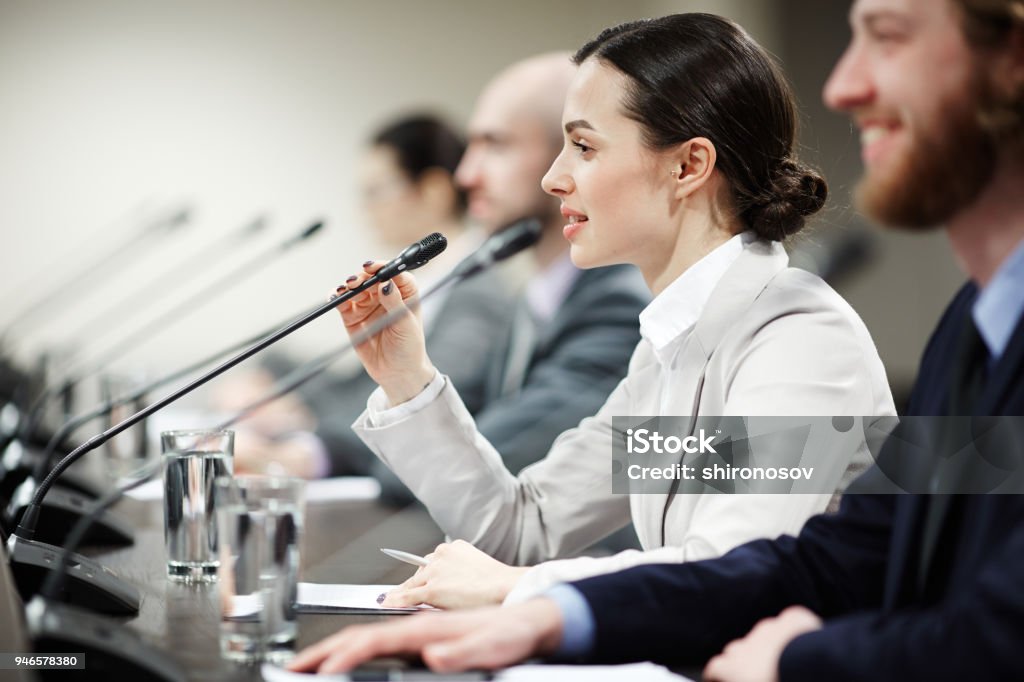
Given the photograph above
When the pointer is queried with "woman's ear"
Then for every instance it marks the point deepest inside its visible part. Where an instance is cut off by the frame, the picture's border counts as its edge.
(694, 163)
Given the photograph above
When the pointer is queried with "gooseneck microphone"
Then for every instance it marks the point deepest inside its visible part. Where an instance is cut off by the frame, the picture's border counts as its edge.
(503, 244)
(26, 563)
(66, 503)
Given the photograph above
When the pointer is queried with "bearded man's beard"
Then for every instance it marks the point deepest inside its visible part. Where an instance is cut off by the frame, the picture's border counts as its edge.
(943, 172)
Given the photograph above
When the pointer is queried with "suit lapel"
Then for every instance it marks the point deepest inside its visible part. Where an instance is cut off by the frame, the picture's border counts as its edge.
(739, 287)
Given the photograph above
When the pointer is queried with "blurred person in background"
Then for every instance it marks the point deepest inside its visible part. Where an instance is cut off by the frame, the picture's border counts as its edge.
(407, 191)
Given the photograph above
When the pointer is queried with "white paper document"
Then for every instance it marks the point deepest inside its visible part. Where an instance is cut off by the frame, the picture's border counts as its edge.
(337, 489)
(635, 672)
(330, 597)
(343, 488)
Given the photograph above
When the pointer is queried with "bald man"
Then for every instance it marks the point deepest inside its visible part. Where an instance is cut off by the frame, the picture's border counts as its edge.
(574, 331)
(514, 135)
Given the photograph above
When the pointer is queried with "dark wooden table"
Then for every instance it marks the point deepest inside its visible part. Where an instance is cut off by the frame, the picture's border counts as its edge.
(340, 544)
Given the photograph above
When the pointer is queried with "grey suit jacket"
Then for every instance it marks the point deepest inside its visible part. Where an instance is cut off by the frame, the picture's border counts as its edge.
(772, 340)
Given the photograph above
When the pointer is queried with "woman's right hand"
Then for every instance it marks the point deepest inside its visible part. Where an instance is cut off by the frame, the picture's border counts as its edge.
(396, 358)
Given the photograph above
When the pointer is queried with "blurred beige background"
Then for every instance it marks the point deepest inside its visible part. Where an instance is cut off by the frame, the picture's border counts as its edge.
(113, 110)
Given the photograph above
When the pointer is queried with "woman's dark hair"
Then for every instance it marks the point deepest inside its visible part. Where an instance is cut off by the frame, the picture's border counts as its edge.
(422, 142)
(699, 75)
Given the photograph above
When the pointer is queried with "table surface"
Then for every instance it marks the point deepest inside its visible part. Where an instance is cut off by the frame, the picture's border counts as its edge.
(341, 544)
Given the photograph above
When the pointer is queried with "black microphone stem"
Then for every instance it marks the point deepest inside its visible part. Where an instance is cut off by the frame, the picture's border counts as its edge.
(503, 244)
(28, 520)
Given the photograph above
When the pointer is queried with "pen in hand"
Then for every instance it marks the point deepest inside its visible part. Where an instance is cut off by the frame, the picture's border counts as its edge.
(408, 558)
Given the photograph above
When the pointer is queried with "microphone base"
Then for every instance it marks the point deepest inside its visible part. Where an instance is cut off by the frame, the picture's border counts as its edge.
(88, 584)
(60, 511)
(112, 651)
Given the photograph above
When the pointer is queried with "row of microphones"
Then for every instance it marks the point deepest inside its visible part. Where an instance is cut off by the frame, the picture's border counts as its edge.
(31, 418)
(64, 504)
(67, 501)
(87, 583)
(16, 458)
(19, 385)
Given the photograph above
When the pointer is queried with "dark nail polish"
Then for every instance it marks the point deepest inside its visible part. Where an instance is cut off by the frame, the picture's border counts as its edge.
(351, 279)
(387, 289)
(367, 263)
(382, 597)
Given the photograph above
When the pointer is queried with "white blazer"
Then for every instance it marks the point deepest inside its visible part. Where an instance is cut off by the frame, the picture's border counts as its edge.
(771, 340)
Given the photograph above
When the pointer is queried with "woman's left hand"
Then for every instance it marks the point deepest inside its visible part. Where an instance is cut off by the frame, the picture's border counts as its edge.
(459, 576)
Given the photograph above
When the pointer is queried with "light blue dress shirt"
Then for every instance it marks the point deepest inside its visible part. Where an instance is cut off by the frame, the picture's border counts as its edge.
(1000, 305)
(996, 313)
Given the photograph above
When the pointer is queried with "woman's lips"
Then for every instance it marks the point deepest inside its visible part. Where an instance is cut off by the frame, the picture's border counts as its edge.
(573, 227)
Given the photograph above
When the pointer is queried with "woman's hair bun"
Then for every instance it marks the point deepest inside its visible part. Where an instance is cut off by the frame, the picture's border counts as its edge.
(795, 192)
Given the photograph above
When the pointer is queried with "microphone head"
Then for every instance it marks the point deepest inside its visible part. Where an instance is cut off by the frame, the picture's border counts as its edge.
(302, 236)
(311, 230)
(517, 237)
(430, 247)
(414, 256)
(433, 245)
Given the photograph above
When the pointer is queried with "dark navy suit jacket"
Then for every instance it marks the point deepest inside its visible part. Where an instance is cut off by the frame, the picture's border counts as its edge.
(857, 569)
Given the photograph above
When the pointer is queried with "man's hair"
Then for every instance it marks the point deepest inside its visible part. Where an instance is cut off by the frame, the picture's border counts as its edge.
(991, 24)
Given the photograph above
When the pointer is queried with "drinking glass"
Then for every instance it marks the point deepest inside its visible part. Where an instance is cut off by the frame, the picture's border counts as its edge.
(260, 522)
(193, 460)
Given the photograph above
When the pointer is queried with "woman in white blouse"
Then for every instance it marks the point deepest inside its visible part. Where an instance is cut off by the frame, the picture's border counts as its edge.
(678, 158)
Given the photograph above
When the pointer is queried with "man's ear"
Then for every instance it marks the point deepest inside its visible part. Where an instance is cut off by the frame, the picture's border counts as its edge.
(695, 161)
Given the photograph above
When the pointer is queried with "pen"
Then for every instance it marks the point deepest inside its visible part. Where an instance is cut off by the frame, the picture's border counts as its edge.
(405, 556)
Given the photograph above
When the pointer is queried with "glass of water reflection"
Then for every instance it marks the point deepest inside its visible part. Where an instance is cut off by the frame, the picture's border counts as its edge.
(260, 522)
(193, 460)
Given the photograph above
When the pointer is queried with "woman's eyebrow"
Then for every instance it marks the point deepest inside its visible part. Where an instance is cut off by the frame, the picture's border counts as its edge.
(578, 123)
